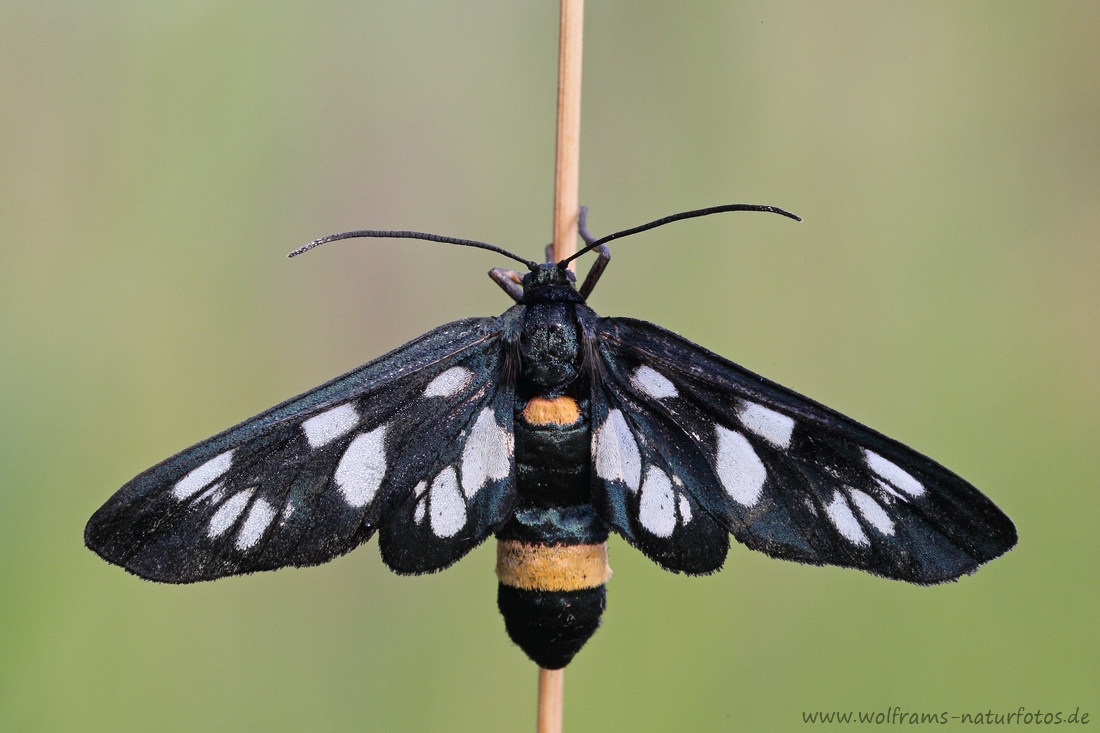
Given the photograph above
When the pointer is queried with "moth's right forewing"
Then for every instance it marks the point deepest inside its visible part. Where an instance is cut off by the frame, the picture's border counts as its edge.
(787, 476)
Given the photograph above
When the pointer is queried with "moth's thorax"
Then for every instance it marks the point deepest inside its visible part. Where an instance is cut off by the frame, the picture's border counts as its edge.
(549, 346)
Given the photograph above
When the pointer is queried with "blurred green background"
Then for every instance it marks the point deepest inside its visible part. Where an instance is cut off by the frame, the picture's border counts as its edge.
(158, 161)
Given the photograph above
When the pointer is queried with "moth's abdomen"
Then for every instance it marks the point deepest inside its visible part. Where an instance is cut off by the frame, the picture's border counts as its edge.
(553, 449)
(551, 597)
(539, 567)
(552, 554)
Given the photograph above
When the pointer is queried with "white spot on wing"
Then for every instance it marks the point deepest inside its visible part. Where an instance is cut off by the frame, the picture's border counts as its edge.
(739, 468)
(617, 457)
(840, 514)
(685, 510)
(449, 383)
(213, 494)
(487, 454)
(421, 503)
(362, 467)
(228, 512)
(657, 505)
(203, 475)
(893, 473)
(872, 512)
(448, 509)
(768, 424)
(330, 425)
(653, 383)
(258, 519)
(889, 491)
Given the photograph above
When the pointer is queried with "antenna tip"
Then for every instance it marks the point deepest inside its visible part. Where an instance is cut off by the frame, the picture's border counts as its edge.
(784, 212)
(305, 248)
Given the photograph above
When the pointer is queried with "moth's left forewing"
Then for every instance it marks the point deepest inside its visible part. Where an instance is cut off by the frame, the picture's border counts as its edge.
(794, 479)
(309, 479)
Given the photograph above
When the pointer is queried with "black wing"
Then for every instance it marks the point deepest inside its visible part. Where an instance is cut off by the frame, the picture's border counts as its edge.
(677, 428)
(417, 443)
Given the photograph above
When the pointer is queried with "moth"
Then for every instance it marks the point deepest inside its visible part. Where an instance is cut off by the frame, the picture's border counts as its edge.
(549, 427)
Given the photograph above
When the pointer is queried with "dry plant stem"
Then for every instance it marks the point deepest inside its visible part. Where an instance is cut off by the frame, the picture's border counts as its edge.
(566, 181)
(551, 684)
(567, 168)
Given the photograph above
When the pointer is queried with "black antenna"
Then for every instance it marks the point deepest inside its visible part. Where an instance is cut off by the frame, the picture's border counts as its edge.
(411, 235)
(677, 217)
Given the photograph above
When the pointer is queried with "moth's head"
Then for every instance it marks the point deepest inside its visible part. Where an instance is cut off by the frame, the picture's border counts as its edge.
(550, 283)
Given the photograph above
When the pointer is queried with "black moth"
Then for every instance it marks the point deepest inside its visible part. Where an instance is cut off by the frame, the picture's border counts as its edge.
(548, 427)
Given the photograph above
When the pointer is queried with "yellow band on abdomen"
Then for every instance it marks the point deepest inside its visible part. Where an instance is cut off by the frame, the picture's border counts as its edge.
(556, 411)
(551, 567)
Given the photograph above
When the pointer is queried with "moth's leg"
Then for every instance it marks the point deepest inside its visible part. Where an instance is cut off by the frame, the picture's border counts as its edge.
(582, 227)
(593, 277)
(509, 281)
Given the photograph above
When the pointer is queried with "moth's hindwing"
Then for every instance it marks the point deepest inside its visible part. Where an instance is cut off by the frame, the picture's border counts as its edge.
(456, 480)
(315, 476)
(785, 475)
(642, 488)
